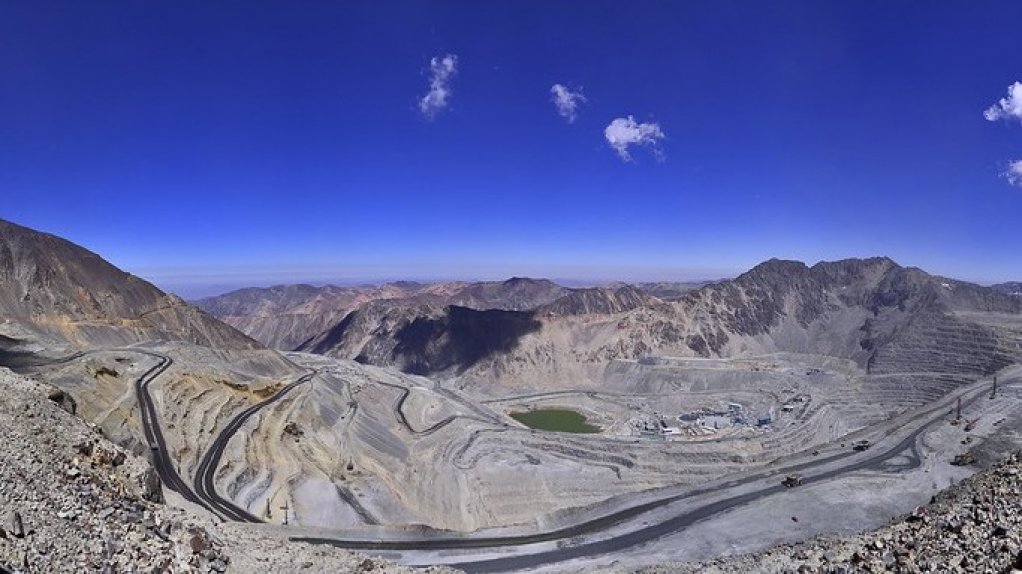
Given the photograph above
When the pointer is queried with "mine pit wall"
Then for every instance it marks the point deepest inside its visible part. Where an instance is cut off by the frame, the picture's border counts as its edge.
(459, 481)
(309, 472)
(192, 408)
(194, 398)
(467, 476)
(384, 453)
(946, 344)
(190, 405)
(204, 389)
(260, 474)
(877, 398)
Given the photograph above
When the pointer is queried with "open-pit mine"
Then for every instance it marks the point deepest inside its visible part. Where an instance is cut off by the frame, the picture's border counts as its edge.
(524, 425)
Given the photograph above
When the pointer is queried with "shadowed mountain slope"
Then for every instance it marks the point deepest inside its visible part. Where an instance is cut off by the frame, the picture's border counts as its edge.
(425, 338)
(885, 317)
(286, 316)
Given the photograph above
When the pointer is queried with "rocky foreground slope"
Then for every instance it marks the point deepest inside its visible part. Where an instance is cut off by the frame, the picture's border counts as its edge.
(71, 501)
(975, 526)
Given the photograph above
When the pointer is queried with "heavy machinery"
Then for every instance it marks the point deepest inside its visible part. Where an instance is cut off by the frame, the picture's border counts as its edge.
(964, 459)
(861, 445)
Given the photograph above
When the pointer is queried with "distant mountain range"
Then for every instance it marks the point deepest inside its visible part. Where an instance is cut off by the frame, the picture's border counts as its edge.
(286, 316)
(873, 311)
(885, 317)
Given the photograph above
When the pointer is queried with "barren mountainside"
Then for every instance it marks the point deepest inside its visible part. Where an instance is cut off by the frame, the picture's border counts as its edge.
(515, 294)
(670, 290)
(599, 301)
(882, 315)
(286, 316)
(346, 445)
(866, 309)
(55, 287)
(1010, 288)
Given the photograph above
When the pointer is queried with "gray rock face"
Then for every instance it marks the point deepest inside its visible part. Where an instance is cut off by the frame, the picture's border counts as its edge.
(1013, 288)
(66, 291)
(425, 339)
(286, 316)
(599, 301)
(759, 299)
(146, 484)
(914, 318)
(886, 317)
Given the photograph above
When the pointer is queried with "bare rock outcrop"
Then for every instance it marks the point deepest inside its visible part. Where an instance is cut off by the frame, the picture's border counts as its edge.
(424, 339)
(885, 317)
(286, 316)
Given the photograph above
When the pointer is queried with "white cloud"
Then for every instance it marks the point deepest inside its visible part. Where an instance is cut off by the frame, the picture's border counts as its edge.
(1014, 173)
(624, 132)
(566, 100)
(441, 70)
(1007, 108)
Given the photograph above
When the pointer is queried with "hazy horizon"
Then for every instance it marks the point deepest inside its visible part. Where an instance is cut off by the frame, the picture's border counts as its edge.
(197, 285)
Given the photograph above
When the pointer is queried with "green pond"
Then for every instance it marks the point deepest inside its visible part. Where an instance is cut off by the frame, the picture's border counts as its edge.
(560, 420)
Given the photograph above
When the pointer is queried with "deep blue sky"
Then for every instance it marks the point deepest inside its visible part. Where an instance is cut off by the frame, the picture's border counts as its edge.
(206, 144)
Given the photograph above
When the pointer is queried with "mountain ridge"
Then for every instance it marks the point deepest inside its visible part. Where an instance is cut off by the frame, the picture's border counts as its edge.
(52, 286)
(872, 310)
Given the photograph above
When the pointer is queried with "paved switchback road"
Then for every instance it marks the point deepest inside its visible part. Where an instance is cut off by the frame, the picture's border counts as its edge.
(162, 462)
(204, 484)
(204, 493)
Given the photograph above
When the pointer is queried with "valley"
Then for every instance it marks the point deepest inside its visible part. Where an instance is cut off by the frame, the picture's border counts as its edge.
(435, 287)
(412, 427)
